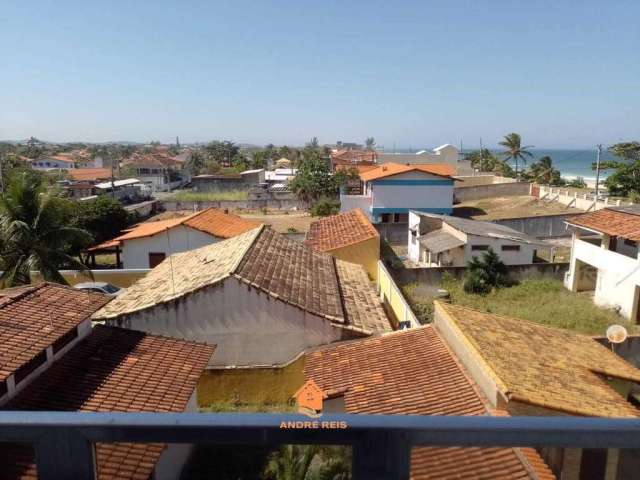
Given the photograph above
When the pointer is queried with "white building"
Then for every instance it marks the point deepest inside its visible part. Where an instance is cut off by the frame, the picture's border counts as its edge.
(441, 240)
(605, 258)
(260, 297)
(390, 191)
(52, 161)
(444, 154)
(148, 244)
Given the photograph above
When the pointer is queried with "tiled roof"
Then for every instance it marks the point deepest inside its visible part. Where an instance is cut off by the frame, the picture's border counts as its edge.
(614, 222)
(84, 174)
(114, 370)
(33, 317)
(185, 273)
(389, 169)
(353, 156)
(362, 307)
(264, 259)
(545, 366)
(155, 159)
(62, 158)
(413, 373)
(211, 220)
(340, 230)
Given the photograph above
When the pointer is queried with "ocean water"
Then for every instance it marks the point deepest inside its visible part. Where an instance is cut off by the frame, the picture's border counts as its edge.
(571, 163)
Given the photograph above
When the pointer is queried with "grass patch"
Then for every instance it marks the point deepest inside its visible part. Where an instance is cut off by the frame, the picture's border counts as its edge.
(228, 195)
(544, 301)
(229, 407)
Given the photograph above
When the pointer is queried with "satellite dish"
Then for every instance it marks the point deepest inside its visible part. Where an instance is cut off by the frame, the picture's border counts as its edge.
(616, 334)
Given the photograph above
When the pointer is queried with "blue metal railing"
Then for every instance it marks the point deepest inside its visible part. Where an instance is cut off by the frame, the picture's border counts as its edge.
(64, 442)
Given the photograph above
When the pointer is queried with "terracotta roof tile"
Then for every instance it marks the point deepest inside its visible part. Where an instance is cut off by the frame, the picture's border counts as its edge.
(286, 269)
(545, 366)
(34, 317)
(154, 159)
(86, 174)
(113, 370)
(340, 230)
(413, 372)
(354, 156)
(389, 169)
(611, 222)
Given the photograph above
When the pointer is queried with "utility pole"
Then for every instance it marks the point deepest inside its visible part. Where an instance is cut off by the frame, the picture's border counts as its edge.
(599, 151)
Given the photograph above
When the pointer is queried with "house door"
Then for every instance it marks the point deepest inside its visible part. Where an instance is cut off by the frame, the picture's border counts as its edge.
(155, 258)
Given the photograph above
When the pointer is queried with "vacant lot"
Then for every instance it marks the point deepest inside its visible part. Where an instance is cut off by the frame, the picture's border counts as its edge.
(509, 207)
(544, 301)
(189, 196)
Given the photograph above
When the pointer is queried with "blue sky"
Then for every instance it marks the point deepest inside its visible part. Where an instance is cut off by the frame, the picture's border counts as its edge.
(418, 73)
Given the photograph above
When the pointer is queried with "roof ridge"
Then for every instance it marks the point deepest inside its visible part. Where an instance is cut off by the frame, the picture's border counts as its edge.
(236, 266)
(154, 335)
(343, 307)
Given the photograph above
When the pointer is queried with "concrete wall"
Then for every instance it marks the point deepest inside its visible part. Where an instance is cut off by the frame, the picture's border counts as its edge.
(248, 326)
(272, 203)
(581, 201)
(365, 253)
(135, 252)
(478, 192)
(448, 154)
(433, 276)
(541, 226)
(618, 276)
(393, 299)
(392, 232)
(522, 257)
(481, 179)
(209, 184)
(349, 202)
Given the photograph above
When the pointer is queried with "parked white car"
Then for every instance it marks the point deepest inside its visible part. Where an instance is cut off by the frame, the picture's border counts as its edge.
(100, 287)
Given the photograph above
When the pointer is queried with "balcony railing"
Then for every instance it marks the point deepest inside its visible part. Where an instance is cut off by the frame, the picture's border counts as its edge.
(64, 442)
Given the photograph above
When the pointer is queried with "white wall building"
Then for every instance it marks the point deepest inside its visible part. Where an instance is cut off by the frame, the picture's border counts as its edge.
(605, 258)
(444, 154)
(52, 161)
(442, 241)
(148, 244)
(260, 297)
(390, 191)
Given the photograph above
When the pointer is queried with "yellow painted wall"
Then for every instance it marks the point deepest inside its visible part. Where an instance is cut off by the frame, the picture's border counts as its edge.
(365, 253)
(392, 298)
(250, 385)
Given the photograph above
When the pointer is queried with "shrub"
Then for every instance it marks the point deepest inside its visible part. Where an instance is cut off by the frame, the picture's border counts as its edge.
(325, 207)
(486, 273)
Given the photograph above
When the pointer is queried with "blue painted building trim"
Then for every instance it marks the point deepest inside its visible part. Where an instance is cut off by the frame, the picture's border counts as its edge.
(408, 183)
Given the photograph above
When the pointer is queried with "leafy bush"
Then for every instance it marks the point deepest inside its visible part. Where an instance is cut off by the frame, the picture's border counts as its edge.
(103, 217)
(577, 182)
(325, 207)
(486, 273)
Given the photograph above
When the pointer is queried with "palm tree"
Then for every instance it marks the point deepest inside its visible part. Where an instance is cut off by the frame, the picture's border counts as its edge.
(542, 171)
(515, 151)
(292, 462)
(35, 232)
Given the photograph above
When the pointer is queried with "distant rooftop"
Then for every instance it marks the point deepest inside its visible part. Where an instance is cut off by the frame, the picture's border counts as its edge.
(390, 169)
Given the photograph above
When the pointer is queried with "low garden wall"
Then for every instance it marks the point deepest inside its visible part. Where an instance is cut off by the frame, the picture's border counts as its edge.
(271, 204)
(433, 276)
(541, 226)
(478, 192)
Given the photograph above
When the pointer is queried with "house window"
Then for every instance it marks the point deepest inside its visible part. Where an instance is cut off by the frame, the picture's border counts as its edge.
(385, 218)
(479, 248)
(3, 388)
(593, 464)
(156, 258)
(30, 366)
(630, 243)
(400, 217)
(68, 337)
(510, 248)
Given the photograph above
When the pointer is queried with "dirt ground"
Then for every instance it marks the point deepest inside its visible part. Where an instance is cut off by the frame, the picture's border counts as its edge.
(509, 207)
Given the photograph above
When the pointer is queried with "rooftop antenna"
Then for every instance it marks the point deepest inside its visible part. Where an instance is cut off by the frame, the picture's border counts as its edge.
(616, 334)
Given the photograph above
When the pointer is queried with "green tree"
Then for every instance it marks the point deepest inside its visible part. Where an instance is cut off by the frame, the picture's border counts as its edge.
(577, 182)
(515, 150)
(484, 160)
(485, 273)
(221, 152)
(370, 143)
(36, 232)
(103, 217)
(260, 159)
(313, 143)
(240, 162)
(625, 180)
(543, 171)
(195, 163)
(292, 462)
